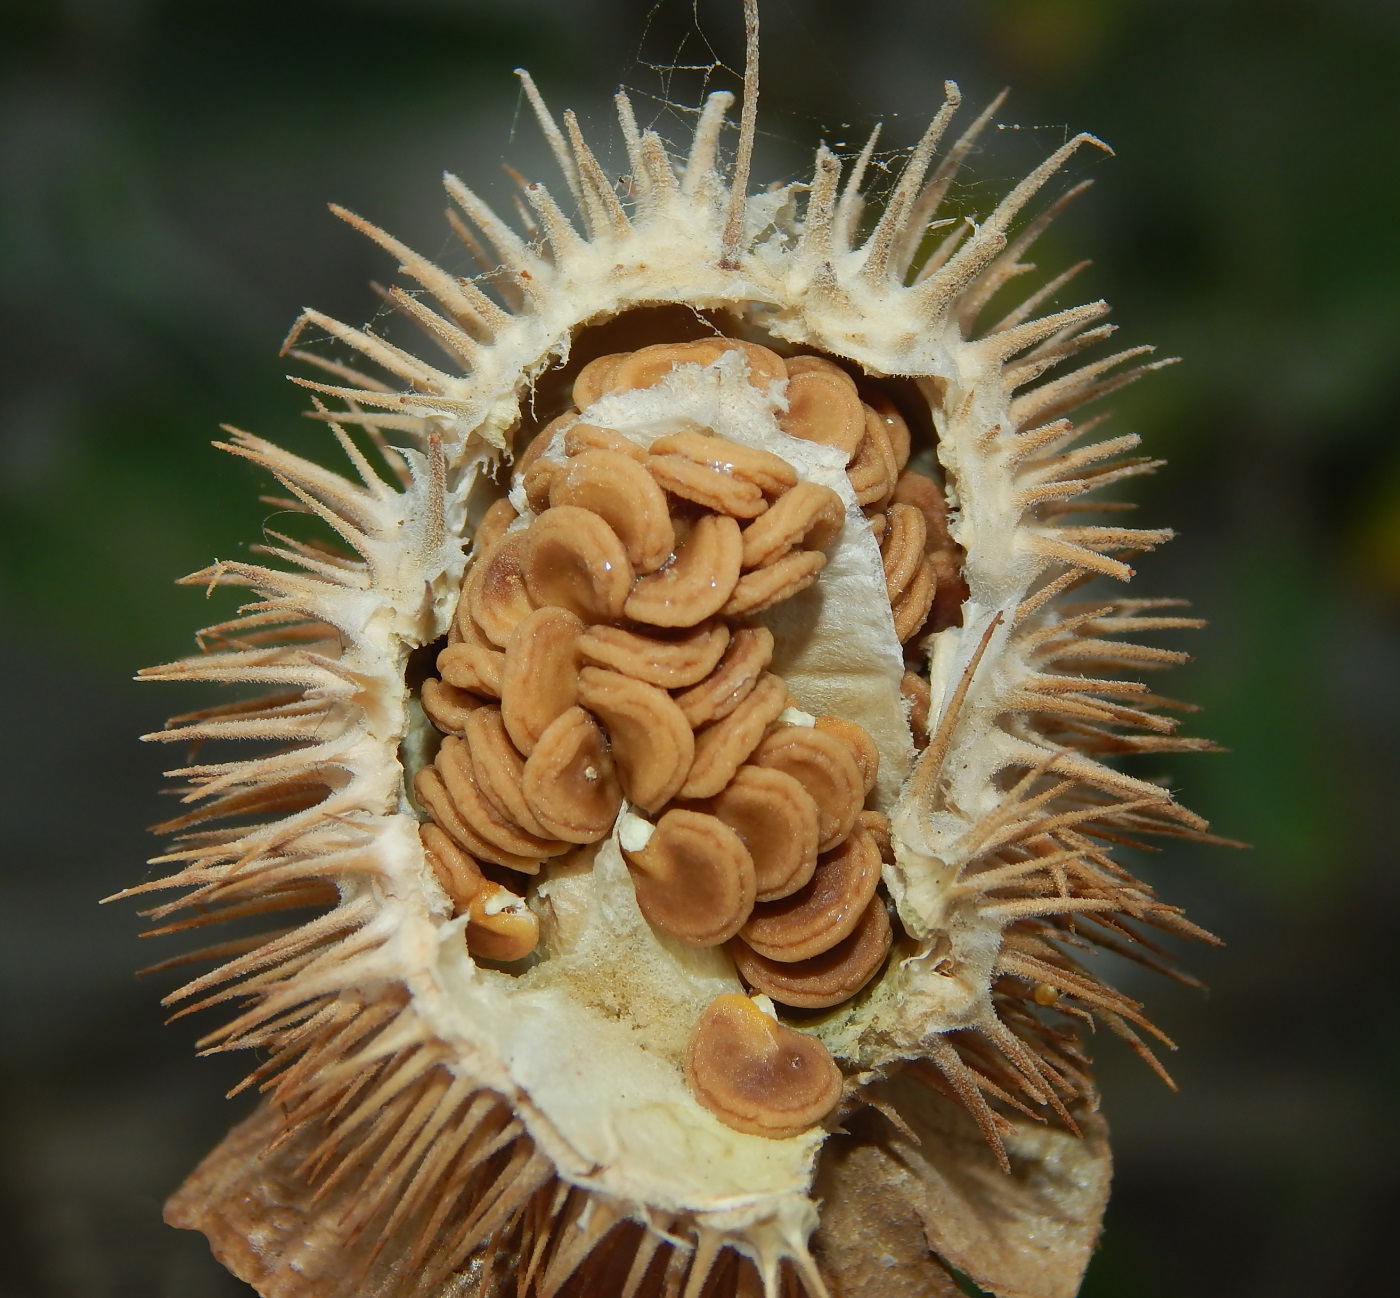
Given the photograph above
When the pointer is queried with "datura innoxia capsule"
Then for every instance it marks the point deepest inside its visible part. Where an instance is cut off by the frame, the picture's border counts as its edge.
(694, 750)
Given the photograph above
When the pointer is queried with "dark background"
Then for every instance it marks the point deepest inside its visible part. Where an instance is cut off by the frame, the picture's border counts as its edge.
(164, 168)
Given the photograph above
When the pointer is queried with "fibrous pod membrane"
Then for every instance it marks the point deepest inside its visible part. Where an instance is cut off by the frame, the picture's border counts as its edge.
(695, 751)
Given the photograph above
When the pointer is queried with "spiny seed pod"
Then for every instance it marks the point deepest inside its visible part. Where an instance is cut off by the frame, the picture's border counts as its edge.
(698, 771)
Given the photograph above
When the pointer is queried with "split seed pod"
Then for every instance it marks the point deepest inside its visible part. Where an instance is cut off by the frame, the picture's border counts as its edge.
(784, 561)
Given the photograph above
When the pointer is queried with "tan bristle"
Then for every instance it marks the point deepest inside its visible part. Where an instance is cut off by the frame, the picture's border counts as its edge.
(683, 737)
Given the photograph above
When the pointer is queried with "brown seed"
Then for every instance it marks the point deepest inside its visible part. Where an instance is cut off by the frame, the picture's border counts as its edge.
(537, 481)
(770, 473)
(526, 455)
(495, 589)
(877, 825)
(819, 915)
(697, 582)
(951, 588)
(494, 523)
(765, 366)
(927, 497)
(446, 706)
(779, 823)
(625, 496)
(540, 679)
(810, 514)
(912, 606)
(826, 979)
(757, 1075)
(748, 655)
(533, 473)
(671, 663)
(499, 769)
(590, 437)
(824, 766)
(649, 365)
(652, 743)
(917, 696)
(472, 667)
(694, 878)
(761, 589)
(861, 746)
(572, 559)
(722, 748)
(569, 780)
(902, 547)
(593, 379)
(464, 629)
(541, 442)
(460, 876)
(713, 488)
(823, 405)
(807, 362)
(500, 926)
(432, 793)
(873, 472)
(454, 764)
(895, 427)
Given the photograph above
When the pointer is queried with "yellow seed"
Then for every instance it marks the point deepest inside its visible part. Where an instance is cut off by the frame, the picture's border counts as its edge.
(649, 365)
(902, 547)
(432, 793)
(472, 667)
(593, 379)
(825, 767)
(454, 764)
(912, 607)
(590, 437)
(873, 472)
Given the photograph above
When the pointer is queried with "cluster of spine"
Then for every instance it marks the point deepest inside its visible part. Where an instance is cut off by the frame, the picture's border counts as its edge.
(1035, 860)
(1011, 791)
(428, 1176)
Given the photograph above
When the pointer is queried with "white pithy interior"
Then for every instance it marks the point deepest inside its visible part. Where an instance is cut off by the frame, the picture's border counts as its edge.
(590, 1040)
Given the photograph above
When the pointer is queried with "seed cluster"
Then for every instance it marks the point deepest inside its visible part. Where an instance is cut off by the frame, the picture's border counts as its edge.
(601, 651)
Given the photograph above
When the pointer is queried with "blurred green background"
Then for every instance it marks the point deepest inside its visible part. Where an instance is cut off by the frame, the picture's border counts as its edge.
(164, 168)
